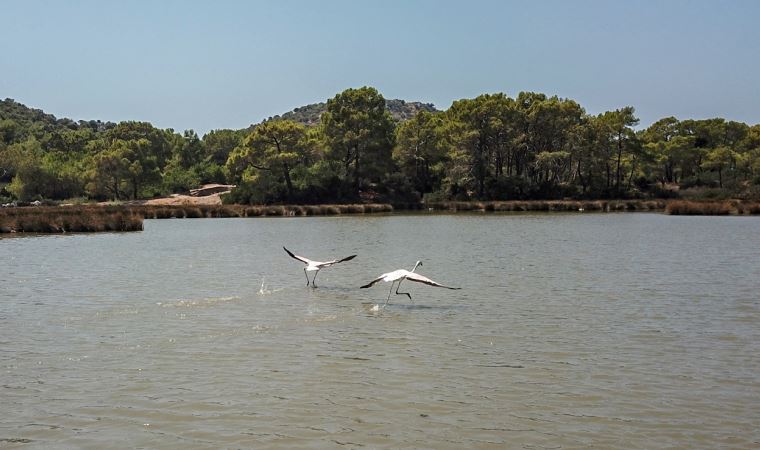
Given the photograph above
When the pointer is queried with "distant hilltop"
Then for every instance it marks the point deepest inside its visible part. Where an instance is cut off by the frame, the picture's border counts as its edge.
(308, 115)
(21, 118)
(400, 110)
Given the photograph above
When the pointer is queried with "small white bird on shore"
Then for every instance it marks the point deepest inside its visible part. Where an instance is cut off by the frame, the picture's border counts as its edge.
(312, 265)
(397, 276)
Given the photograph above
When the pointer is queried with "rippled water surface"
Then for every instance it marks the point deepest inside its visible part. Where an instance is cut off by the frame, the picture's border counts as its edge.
(571, 331)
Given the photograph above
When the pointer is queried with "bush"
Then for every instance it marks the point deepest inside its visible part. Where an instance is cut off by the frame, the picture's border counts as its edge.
(554, 191)
(506, 188)
(706, 194)
(240, 195)
(209, 172)
(179, 180)
(396, 187)
(6, 196)
(434, 197)
(657, 191)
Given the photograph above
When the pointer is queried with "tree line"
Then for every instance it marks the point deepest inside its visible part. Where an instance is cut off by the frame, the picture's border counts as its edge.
(492, 147)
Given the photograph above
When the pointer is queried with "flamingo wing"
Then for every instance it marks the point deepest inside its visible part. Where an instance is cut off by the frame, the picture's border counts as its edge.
(300, 258)
(336, 261)
(411, 276)
(373, 282)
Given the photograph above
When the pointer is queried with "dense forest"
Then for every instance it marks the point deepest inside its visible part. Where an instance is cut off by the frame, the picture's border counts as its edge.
(359, 147)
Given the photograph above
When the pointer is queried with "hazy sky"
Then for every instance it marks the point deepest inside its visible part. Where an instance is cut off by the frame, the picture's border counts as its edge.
(227, 64)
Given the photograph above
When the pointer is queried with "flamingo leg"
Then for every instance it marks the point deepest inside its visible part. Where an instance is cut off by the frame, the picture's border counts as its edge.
(389, 294)
(307, 276)
(403, 293)
(314, 280)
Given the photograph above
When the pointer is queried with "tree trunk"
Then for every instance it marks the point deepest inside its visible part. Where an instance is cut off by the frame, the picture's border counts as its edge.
(347, 161)
(619, 157)
(480, 167)
(607, 167)
(357, 184)
(630, 177)
(580, 178)
(288, 182)
(115, 188)
(285, 171)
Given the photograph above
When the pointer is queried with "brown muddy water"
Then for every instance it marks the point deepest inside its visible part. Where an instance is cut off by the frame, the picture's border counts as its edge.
(570, 331)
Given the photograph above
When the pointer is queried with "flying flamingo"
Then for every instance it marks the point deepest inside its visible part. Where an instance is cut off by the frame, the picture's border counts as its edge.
(401, 275)
(312, 266)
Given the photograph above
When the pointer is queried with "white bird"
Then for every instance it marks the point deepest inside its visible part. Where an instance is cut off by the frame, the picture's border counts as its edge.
(312, 266)
(401, 275)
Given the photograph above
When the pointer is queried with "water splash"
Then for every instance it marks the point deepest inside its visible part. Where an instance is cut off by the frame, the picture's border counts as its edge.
(263, 290)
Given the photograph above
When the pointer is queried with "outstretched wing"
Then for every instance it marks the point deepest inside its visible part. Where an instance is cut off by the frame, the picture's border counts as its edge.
(372, 283)
(423, 279)
(336, 261)
(300, 258)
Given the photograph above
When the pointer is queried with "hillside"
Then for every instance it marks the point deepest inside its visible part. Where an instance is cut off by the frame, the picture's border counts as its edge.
(400, 110)
(18, 121)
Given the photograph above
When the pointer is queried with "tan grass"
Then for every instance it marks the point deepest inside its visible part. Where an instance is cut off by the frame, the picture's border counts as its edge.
(693, 208)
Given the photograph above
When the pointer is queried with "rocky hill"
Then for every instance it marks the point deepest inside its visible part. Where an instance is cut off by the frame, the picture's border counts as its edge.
(15, 117)
(400, 110)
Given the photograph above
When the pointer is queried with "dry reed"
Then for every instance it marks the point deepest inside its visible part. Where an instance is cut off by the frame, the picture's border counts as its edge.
(68, 219)
(692, 208)
(77, 218)
(549, 205)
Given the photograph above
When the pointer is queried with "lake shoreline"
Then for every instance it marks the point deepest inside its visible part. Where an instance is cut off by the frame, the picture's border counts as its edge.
(129, 217)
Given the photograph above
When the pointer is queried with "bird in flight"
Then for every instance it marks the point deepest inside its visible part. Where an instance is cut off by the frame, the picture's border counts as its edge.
(312, 266)
(397, 276)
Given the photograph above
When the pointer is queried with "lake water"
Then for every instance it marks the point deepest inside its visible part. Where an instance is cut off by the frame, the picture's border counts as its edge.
(629, 330)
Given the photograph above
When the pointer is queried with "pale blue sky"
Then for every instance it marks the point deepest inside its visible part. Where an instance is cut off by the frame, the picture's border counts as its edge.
(227, 64)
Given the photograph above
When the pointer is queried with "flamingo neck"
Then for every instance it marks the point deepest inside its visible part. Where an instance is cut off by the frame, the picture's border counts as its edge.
(415, 266)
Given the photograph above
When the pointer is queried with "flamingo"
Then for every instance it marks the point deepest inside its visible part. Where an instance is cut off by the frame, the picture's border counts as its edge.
(401, 275)
(312, 266)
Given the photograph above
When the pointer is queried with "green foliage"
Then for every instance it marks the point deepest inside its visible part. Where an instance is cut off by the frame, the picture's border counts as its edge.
(496, 140)
(176, 179)
(720, 159)
(5, 195)
(189, 150)
(321, 183)
(218, 145)
(259, 191)
(397, 187)
(359, 132)
(18, 123)
(421, 151)
(268, 157)
(192, 164)
(366, 148)
(38, 175)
